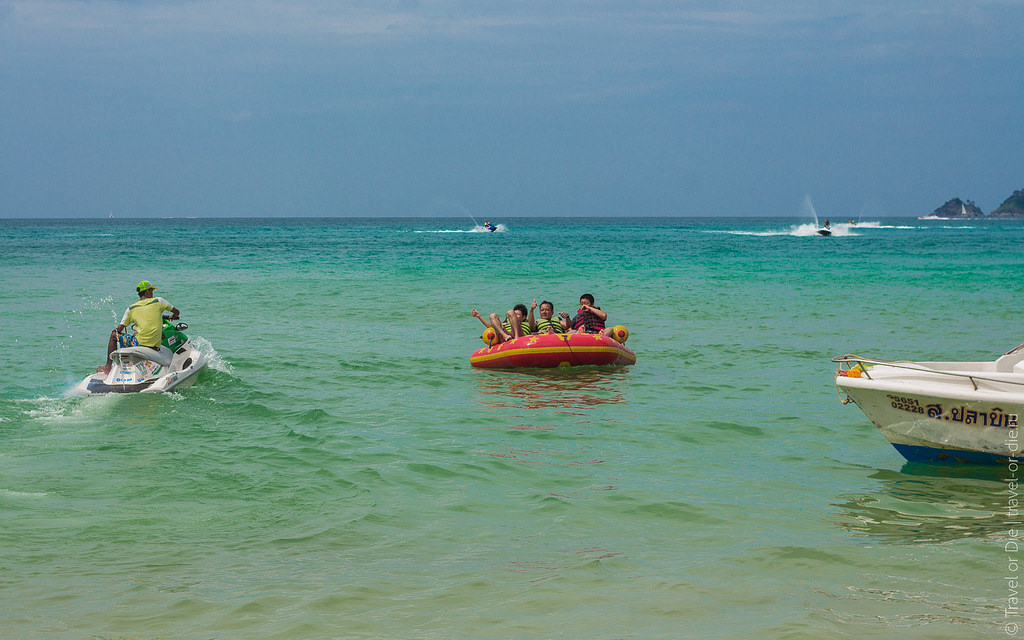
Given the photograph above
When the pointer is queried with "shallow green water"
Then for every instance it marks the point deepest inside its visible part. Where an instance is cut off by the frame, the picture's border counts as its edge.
(340, 471)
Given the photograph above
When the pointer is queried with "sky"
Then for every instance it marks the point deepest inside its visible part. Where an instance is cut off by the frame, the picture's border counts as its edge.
(266, 108)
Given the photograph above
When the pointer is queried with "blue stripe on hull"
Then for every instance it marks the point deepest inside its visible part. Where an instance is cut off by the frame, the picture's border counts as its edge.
(915, 453)
(99, 386)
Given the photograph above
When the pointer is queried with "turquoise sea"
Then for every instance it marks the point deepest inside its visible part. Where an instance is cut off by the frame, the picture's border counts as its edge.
(340, 471)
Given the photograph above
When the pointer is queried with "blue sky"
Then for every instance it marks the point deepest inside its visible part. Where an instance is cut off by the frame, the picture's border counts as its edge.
(406, 108)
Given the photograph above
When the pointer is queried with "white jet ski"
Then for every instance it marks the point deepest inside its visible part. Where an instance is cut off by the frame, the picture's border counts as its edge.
(144, 370)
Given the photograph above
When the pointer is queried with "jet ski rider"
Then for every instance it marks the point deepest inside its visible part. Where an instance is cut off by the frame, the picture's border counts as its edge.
(147, 315)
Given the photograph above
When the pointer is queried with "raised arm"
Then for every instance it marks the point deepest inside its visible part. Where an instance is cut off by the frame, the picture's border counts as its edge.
(476, 314)
(564, 320)
(597, 312)
(530, 318)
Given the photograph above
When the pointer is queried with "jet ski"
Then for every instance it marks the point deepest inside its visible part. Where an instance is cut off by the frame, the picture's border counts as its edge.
(138, 369)
(824, 231)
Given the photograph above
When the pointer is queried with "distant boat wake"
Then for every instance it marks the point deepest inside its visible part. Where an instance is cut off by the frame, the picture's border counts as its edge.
(807, 230)
(477, 229)
(804, 230)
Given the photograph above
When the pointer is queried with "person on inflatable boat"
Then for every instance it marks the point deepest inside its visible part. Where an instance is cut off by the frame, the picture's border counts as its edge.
(147, 316)
(547, 323)
(590, 319)
(515, 326)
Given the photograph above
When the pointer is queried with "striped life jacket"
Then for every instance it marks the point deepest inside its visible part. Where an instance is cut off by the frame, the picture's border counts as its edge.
(524, 325)
(542, 325)
(587, 320)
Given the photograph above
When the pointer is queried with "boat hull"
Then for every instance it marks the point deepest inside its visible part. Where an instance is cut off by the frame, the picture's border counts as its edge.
(935, 455)
(937, 417)
(547, 351)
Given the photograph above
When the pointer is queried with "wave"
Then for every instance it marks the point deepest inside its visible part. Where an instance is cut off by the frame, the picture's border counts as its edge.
(879, 225)
(214, 360)
(22, 494)
(477, 229)
(839, 229)
(798, 230)
(70, 409)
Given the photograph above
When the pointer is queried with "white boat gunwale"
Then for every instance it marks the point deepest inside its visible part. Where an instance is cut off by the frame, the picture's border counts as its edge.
(1001, 370)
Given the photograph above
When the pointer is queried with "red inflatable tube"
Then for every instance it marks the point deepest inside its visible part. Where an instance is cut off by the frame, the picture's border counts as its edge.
(553, 350)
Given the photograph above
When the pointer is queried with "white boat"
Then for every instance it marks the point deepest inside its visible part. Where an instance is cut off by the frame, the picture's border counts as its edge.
(941, 411)
(144, 370)
(932, 216)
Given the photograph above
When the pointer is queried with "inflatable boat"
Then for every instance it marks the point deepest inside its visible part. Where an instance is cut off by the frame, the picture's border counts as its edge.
(551, 350)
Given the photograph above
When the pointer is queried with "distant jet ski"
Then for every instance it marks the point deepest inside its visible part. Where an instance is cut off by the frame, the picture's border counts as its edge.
(490, 226)
(138, 369)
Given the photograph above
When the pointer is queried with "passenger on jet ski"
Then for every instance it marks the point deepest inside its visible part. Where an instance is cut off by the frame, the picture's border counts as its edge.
(147, 315)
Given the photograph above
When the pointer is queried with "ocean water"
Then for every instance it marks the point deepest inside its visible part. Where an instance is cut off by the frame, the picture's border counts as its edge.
(340, 471)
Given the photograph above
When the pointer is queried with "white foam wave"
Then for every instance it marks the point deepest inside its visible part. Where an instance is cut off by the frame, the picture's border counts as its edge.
(874, 225)
(500, 228)
(477, 229)
(734, 232)
(799, 230)
(810, 229)
(72, 408)
(213, 359)
(22, 494)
